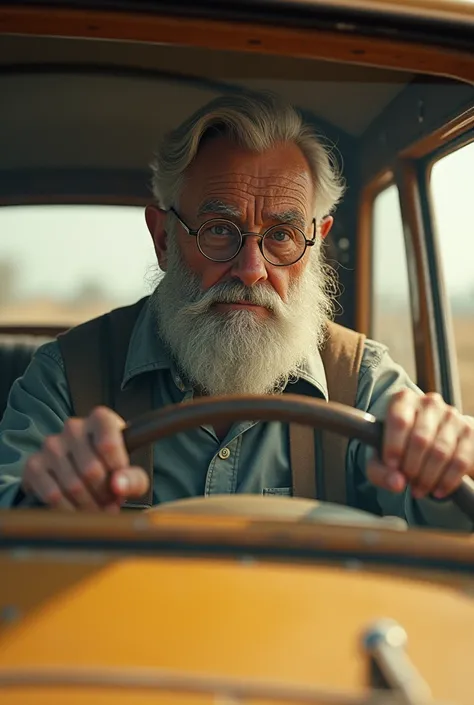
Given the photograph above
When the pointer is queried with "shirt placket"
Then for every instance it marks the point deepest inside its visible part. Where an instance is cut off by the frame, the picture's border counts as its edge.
(222, 472)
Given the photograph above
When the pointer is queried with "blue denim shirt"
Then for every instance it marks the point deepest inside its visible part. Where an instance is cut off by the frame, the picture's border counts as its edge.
(256, 459)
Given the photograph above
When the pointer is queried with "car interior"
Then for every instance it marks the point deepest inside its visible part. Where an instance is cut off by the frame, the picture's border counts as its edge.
(238, 598)
(81, 119)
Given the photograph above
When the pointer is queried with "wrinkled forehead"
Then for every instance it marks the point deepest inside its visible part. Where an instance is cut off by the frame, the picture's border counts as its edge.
(227, 179)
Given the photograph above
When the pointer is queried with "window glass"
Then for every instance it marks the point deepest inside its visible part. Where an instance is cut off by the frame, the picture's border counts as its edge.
(452, 192)
(391, 313)
(65, 264)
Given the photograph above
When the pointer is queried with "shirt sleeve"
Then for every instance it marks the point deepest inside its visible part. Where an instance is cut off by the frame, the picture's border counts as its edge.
(379, 379)
(38, 405)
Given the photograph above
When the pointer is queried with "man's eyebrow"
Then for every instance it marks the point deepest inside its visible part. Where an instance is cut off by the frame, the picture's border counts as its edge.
(217, 207)
(290, 216)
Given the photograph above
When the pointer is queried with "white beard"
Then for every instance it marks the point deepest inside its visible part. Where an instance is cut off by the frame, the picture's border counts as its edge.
(237, 352)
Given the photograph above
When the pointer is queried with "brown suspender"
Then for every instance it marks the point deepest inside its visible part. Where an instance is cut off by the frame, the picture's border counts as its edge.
(95, 353)
(342, 357)
(303, 461)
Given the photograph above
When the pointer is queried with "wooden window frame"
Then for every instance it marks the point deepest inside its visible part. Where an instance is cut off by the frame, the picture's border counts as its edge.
(364, 249)
(433, 334)
(450, 384)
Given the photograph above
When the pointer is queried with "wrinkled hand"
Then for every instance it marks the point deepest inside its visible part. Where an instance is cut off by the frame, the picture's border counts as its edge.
(427, 444)
(85, 467)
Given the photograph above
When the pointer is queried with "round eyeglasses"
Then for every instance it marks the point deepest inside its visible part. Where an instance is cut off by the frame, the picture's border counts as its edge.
(221, 240)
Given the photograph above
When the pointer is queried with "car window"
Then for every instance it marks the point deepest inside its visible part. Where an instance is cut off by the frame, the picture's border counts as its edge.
(391, 314)
(61, 265)
(452, 196)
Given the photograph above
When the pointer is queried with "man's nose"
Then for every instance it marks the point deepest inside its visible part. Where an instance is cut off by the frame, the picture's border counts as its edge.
(250, 265)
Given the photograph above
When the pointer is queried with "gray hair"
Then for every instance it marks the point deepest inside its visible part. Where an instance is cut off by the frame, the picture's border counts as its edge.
(255, 121)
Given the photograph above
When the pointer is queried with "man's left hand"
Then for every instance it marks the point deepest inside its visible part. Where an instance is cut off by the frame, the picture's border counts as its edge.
(427, 444)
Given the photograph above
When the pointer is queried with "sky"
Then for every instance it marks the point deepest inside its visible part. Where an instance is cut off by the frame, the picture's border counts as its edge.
(452, 192)
(453, 198)
(57, 250)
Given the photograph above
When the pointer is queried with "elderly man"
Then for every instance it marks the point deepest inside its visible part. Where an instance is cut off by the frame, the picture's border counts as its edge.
(244, 191)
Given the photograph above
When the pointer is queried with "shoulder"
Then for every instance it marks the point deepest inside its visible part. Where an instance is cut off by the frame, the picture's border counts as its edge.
(374, 355)
(49, 352)
(125, 316)
(42, 389)
(364, 353)
(380, 377)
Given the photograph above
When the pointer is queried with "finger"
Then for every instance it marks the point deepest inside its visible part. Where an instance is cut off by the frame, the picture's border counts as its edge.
(105, 427)
(437, 458)
(420, 441)
(39, 482)
(62, 503)
(112, 508)
(72, 486)
(387, 478)
(461, 463)
(87, 464)
(399, 422)
(59, 462)
(130, 482)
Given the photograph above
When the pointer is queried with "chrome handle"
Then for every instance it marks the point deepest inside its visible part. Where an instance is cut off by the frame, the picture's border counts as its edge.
(390, 666)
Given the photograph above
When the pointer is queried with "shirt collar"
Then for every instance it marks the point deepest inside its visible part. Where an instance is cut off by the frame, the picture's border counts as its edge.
(147, 352)
(312, 373)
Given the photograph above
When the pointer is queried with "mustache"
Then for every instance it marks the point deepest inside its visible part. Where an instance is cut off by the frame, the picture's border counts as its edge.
(230, 292)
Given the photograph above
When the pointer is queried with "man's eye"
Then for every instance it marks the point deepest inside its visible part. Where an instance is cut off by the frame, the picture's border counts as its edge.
(220, 230)
(281, 235)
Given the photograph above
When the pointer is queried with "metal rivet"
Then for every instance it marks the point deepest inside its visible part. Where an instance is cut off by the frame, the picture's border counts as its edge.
(141, 524)
(248, 560)
(370, 538)
(224, 453)
(344, 243)
(421, 112)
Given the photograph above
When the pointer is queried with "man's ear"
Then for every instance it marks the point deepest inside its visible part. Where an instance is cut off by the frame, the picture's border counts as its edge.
(155, 219)
(325, 226)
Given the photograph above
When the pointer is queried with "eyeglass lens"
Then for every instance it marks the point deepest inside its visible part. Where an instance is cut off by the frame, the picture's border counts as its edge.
(282, 244)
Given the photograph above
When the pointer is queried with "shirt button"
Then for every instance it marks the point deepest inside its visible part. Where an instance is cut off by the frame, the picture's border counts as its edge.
(179, 383)
(224, 453)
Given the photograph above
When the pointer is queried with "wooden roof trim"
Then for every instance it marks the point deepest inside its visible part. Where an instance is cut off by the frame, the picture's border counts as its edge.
(415, 123)
(238, 36)
(453, 131)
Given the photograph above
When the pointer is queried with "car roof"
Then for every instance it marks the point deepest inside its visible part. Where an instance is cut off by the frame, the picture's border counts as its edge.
(87, 104)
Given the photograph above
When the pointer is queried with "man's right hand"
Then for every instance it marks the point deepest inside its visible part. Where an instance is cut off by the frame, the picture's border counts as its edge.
(86, 467)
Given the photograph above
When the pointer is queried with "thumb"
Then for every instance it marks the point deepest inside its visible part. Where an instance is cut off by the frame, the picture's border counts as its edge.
(129, 482)
(386, 478)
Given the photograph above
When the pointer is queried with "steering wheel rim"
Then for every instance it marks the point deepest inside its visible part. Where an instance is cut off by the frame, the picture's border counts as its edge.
(330, 416)
(287, 408)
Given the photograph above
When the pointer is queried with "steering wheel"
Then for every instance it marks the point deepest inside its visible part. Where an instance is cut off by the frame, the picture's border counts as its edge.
(306, 411)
